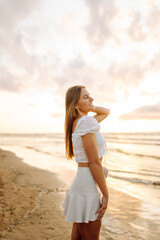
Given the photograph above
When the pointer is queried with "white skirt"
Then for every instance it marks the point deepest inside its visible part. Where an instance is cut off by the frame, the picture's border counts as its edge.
(83, 198)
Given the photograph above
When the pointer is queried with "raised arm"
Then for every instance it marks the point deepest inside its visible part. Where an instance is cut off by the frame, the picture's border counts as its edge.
(102, 113)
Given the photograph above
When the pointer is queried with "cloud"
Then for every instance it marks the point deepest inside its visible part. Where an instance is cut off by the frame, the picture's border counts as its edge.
(145, 23)
(17, 62)
(153, 19)
(136, 29)
(7, 82)
(101, 13)
(32, 72)
(148, 112)
(78, 72)
(126, 75)
(154, 62)
(22, 69)
(13, 12)
(103, 84)
(75, 72)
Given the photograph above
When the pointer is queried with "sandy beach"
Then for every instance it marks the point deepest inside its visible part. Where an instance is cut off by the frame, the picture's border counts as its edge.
(31, 206)
(30, 202)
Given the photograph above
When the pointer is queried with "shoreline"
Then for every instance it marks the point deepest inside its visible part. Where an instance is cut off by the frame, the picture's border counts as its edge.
(30, 202)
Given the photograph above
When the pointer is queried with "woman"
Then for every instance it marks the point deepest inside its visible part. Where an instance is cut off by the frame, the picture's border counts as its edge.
(87, 199)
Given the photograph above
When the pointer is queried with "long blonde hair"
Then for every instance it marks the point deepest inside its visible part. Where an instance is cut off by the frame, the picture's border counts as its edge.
(71, 99)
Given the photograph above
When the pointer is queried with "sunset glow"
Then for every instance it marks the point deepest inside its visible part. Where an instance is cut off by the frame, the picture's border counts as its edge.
(111, 47)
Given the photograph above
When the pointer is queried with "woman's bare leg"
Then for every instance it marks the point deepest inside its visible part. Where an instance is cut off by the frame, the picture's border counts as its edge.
(90, 231)
(75, 232)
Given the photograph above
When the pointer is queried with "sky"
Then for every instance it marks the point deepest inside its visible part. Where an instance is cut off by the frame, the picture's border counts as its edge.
(111, 47)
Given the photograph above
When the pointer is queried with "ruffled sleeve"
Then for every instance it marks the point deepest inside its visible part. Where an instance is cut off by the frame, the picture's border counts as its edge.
(87, 124)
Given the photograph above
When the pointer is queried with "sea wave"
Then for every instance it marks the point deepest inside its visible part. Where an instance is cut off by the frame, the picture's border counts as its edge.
(142, 139)
(132, 142)
(137, 173)
(135, 180)
(133, 154)
(37, 150)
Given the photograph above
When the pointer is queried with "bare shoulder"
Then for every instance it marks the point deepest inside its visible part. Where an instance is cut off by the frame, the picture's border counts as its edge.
(100, 118)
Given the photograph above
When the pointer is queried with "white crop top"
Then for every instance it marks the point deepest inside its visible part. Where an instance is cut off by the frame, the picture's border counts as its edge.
(87, 124)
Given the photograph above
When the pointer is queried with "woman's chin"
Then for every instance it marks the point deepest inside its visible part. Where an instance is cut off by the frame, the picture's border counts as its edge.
(91, 107)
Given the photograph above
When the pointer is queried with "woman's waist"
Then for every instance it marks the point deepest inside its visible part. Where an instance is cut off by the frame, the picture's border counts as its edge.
(83, 164)
(86, 164)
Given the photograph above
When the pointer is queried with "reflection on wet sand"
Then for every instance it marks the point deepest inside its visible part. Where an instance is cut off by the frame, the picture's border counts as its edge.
(129, 218)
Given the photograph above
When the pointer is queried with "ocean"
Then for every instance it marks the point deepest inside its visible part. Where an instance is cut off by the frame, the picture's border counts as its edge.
(133, 161)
